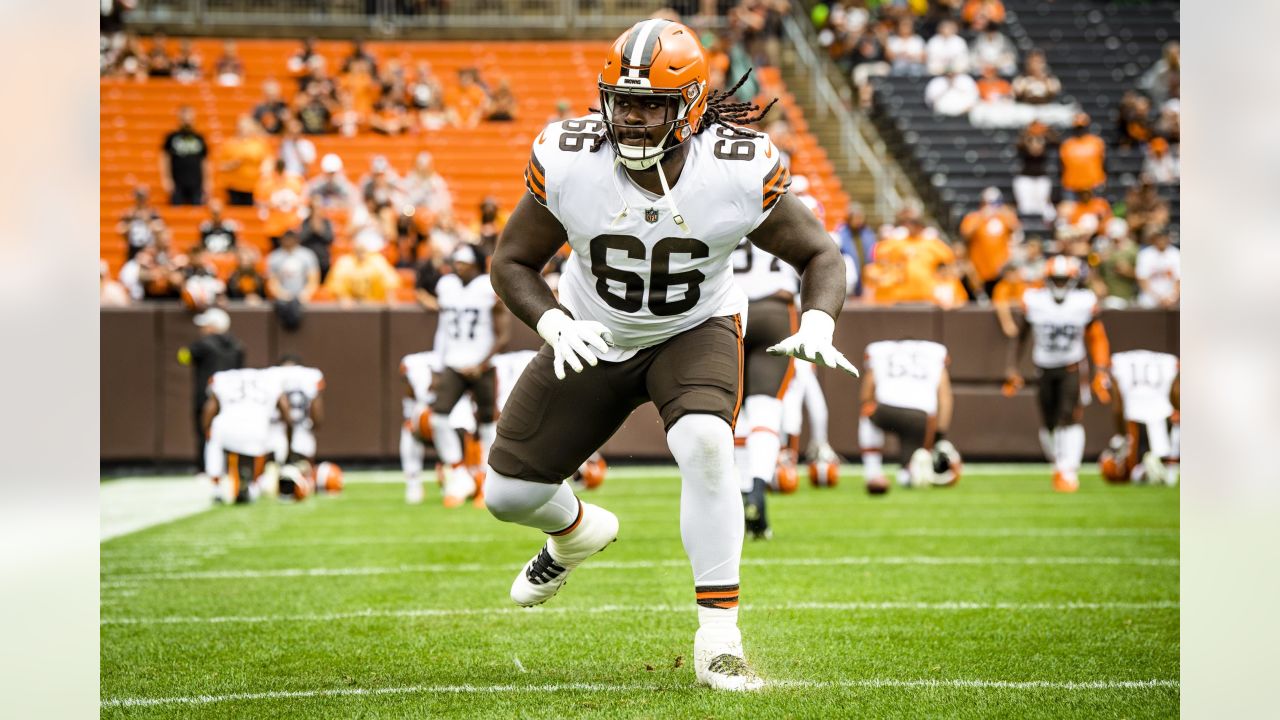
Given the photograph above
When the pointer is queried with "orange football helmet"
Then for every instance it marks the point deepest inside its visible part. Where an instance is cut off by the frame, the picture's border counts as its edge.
(329, 477)
(657, 57)
(1063, 275)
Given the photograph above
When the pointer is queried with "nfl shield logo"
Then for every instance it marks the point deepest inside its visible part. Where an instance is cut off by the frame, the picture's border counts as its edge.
(651, 215)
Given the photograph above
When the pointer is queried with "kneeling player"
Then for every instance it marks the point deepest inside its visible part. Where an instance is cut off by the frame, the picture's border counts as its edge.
(296, 455)
(1144, 448)
(906, 392)
(237, 417)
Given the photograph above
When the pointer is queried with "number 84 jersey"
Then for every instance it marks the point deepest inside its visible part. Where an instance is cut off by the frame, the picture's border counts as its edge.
(639, 273)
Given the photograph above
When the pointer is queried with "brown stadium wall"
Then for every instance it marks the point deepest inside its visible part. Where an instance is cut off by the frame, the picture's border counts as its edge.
(146, 414)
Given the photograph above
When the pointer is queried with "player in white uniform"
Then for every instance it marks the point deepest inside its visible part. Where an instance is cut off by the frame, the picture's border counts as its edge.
(303, 389)
(1145, 447)
(1064, 318)
(473, 327)
(906, 392)
(237, 416)
(652, 195)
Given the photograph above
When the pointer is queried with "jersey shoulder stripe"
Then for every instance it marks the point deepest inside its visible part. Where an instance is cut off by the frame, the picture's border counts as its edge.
(535, 178)
(776, 182)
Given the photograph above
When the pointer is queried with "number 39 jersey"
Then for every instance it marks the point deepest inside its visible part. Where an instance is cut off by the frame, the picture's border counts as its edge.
(640, 274)
(907, 373)
(465, 335)
(1145, 379)
(1059, 326)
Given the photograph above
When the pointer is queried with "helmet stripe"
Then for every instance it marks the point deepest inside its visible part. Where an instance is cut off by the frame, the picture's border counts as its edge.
(651, 43)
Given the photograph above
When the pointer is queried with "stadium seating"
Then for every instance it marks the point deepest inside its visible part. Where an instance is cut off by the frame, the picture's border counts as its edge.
(1098, 51)
(488, 160)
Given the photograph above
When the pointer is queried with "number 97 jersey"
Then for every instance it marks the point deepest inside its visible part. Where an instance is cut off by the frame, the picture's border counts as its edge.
(633, 268)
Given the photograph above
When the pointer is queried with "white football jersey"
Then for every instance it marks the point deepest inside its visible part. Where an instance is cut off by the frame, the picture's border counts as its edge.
(465, 334)
(640, 274)
(1059, 326)
(508, 366)
(907, 373)
(301, 386)
(418, 369)
(246, 401)
(1145, 379)
(760, 274)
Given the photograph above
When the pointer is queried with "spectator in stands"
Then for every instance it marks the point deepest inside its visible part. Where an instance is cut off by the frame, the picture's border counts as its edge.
(975, 11)
(958, 282)
(1082, 156)
(947, 49)
(331, 191)
(130, 61)
(131, 272)
(905, 50)
(1031, 186)
(1159, 270)
(1024, 270)
(1143, 207)
(952, 94)
(991, 47)
(389, 117)
(359, 55)
(359, 84)
(364, 275)
(564, 111)
(990, 232)
(293, 271)
(110, 292)
(349, 120)
(1036, 86)
(1161, 162)
(489, 227)
(297, 152)
(158, 270)
(423, 89)
(446, 235)
(278, 197)
(315, 110)
(141, 224)
(1169, 123)
(229, 70)
(184, 161)
(241, 161)
(272, 112)
(217, 233)
(1134, 119)
(992, 88)
(426, 189)
(868, 60)
(857, 241)
(246, 283)
(502, 106)
(159, 64)
(1115, 280)
(424, 285)
(1161, 78)
(1085, 202)
(186, 65)
(299, 63)
(907, 264)
(468, 101)
(316, 235)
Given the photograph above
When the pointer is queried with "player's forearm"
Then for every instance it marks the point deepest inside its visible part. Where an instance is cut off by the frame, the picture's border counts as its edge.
(522, 289)
(822, 282)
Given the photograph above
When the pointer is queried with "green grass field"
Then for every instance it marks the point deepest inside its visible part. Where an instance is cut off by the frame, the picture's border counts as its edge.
(993, 599)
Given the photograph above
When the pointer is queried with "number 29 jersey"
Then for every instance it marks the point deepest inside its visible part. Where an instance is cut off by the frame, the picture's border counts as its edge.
(639, 273)
(1059, 326)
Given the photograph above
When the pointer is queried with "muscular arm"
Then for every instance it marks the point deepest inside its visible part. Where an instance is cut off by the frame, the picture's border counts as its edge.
(317, 410)
(530, 239)
(1017, 347)
(282, 405)
(501, 330)
(945, 402)
(867, 393)
(794, 235)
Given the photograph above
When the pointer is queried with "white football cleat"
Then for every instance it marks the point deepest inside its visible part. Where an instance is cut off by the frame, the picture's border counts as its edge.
(413, 493)
(719, 663)
(920, 468)
(542, 577)
(459, 486)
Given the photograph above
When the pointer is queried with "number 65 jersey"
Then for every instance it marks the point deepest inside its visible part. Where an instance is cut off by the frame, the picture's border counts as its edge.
(638, 272)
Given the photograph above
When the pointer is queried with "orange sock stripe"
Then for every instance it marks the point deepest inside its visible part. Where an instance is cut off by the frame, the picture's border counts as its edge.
(763, 429)
(721, 604)
(572, 526)
(721, 594)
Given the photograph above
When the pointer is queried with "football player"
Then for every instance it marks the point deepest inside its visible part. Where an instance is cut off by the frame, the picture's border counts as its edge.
(1145, 447)
(303, 389)
(804, 398)
(473, 327)
(770, 286)
(653, 193)
(907, 392)
(237, 418)
(1064, 319)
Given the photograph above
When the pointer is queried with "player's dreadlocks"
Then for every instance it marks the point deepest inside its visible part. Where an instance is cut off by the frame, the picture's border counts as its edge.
(720, 111)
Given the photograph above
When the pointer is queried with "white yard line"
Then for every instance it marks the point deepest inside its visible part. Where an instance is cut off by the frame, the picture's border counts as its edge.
(634, 565)
(958, 684)
(132, 504)
(414, 613)
(631, 472)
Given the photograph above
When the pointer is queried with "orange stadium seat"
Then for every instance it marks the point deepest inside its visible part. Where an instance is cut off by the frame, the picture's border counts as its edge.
(487, 160)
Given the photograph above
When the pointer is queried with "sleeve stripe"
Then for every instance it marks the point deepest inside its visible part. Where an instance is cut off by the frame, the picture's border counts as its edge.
(539, 172)
(535, 179)
(537, 194)
(774, 173)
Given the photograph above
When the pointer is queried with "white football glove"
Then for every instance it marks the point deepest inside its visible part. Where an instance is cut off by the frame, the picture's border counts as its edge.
(573, 341)
(813, 343)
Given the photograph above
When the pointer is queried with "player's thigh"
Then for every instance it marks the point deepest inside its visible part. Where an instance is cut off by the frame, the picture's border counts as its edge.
(549, 427)
(911, 426)
(698, 371)
(449, 389)
(1071, 405)
(484, 391)
(769, 322)
(1049, 396)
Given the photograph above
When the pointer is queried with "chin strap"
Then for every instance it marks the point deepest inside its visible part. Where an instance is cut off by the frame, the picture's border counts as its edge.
(671, 202)
(617, 187)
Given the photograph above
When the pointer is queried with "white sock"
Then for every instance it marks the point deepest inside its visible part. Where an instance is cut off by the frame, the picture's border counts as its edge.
(871, 440)
(872, 464)
(741, 460)
(816, 403)
(763, 442)
(1048, 444)
(711, 519)
(487, 432)
(448, 446)
(1069, 448)
(547, 507)
(410, 454)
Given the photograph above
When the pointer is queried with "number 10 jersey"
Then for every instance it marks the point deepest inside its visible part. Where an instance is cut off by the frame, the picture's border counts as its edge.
(640, 274)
